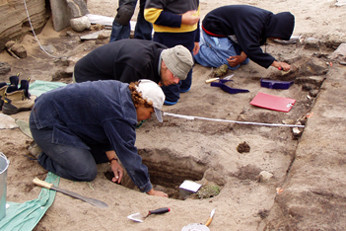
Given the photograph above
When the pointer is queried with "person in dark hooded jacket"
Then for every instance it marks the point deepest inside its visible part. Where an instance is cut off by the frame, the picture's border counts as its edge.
(233, 34)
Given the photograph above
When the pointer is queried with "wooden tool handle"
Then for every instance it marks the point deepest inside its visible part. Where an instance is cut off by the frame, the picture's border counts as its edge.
(42, 183)
(210, 218)
(208, 221)
(211, 80)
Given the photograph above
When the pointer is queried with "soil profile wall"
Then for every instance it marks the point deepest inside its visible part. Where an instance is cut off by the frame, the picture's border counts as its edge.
(13, 18)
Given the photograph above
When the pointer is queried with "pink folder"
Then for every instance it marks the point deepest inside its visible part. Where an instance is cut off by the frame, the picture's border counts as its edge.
(272, 102)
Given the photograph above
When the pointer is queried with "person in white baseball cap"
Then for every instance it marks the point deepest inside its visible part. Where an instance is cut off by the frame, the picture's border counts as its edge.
(152, 93)
(84, 124)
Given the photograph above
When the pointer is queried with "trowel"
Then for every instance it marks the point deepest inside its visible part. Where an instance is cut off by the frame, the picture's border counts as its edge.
(138, 217)
(218, 78)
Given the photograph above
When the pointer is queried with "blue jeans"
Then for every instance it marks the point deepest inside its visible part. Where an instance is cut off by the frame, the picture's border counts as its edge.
(143, 28)
(214, 51)
(66, 161)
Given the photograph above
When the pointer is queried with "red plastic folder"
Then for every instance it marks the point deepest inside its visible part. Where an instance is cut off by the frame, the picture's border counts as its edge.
(272, 102)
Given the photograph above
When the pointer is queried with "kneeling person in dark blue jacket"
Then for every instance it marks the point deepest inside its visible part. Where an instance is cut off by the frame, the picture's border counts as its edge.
(83, 124)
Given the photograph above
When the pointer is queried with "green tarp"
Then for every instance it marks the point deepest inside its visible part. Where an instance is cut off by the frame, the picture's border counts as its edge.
(25, 216)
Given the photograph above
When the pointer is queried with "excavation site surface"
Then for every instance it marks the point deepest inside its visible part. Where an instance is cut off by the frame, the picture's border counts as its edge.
(260, 169)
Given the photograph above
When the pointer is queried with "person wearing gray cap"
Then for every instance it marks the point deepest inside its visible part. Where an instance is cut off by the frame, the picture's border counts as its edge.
(175, 22)
(129, 60)
(84, 124)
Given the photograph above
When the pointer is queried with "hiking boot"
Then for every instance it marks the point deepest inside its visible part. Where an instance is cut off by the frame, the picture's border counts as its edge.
(14, 80)
(3, 87)
(17, 99)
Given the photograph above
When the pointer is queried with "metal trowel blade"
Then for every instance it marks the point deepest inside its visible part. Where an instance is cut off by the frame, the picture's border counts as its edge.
(137, 217)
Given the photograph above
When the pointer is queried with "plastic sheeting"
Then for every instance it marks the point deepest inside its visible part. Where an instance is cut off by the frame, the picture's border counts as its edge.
(39, 87)
(25, 216)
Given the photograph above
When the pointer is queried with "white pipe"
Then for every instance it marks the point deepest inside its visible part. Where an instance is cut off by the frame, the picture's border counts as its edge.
(33, 32)
(230, 121)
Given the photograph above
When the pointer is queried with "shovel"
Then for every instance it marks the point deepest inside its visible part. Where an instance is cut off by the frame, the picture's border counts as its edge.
(50, 186)
(140, 218)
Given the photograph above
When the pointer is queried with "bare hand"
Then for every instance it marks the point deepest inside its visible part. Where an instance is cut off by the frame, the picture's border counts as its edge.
(118, 172)
(190, 17)
(237, 59)
(234, 60)
(196, 48)
(154, 192)
(281, 65)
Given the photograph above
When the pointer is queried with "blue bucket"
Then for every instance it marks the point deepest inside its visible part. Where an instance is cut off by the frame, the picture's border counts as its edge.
(4, 162)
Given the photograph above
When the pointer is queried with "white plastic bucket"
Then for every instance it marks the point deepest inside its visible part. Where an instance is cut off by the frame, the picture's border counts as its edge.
(4, 162)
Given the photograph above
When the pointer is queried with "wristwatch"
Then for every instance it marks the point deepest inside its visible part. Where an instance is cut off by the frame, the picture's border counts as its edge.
(114, 158)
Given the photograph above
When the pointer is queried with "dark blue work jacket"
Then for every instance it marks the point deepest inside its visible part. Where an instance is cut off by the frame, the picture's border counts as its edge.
(98, 113)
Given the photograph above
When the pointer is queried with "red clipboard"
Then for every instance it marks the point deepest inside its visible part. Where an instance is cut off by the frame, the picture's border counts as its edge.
(272, 102)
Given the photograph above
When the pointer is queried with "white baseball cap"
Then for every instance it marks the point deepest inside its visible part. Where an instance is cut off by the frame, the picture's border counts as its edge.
(152, 92)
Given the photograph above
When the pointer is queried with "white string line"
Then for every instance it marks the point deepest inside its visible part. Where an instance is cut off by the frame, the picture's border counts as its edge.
(230, 121)
(33, 31)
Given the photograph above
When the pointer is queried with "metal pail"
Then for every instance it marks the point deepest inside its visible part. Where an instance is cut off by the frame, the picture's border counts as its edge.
(4, 162)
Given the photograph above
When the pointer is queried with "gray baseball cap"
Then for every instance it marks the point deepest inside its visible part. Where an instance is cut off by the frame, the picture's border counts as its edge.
(179, 60)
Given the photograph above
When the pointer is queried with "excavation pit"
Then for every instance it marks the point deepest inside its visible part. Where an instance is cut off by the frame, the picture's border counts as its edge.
(168, 172)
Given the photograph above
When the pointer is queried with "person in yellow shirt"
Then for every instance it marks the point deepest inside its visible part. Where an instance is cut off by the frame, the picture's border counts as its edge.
(175, 23)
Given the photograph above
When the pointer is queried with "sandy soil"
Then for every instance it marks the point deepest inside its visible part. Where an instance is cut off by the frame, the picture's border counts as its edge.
(204, 151)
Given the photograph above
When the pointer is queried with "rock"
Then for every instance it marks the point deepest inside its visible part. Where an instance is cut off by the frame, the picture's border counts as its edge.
(340, 3)
(91, 36)
(4, 68)
(264, 176)
(78, 8)
(7, 121)
(15, 49)
(19, 50)
(311, 43)
(221, 71)
(80, 24)
(297, 132)
(208, 190)
(10, 44)
(70, 33)
(50, 49)
(339, 54)
(243, 147)
(63, 61)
